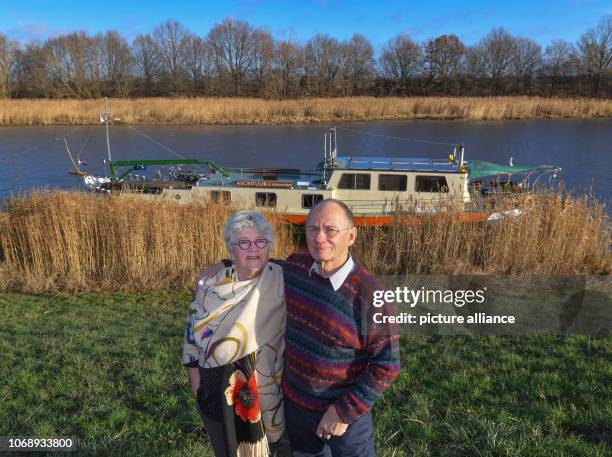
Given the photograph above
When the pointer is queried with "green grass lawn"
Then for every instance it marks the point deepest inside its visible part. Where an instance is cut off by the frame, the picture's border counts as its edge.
(105, 368)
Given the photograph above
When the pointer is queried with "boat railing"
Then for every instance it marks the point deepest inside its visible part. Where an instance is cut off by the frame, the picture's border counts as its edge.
(271, 171)
(420, 206)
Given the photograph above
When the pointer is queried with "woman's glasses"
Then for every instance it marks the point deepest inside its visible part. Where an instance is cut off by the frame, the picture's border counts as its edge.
(259, 243)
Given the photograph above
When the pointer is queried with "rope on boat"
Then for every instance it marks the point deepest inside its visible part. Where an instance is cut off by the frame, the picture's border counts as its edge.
(170, 150)
(414, 140)
(84, 145)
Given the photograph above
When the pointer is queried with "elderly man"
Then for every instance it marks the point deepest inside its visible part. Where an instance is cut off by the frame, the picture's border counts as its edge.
(335, 369)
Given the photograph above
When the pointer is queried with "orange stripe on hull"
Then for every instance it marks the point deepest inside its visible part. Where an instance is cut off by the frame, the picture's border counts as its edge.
(377, 221)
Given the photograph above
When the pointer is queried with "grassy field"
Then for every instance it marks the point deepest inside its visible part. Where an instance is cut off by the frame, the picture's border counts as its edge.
(258, 111)
(105, 368)
(74, 241)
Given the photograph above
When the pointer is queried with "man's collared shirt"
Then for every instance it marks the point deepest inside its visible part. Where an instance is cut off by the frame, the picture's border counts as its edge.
(338, 278)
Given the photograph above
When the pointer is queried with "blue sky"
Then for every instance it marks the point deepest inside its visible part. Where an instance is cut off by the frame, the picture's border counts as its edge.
(541, 20)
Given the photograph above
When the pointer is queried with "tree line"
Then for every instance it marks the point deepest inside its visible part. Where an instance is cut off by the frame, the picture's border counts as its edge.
(237, 59)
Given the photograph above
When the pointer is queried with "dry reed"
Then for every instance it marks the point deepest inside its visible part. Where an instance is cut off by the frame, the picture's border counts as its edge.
(555, 234)
(73, 241)
(252, 110)
(76, 241)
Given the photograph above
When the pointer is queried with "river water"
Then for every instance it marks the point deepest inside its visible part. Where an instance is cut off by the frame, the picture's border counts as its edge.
(35, 157)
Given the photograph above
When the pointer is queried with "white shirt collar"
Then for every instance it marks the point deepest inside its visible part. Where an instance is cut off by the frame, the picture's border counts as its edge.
(338, 278)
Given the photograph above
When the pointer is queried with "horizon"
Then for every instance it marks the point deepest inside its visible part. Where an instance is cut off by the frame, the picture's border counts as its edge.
(542, 21)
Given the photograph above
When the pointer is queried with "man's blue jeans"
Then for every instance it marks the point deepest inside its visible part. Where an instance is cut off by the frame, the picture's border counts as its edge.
(301, 426)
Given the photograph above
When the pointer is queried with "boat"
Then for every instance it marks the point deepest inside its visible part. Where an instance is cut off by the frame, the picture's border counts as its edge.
(376, 189)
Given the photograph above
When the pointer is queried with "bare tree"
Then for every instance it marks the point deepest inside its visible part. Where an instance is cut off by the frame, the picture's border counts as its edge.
(357, 62)
(288, 56)
(35, 71)
(197, 61)
(443, 59)
(497, 49)
(233, 44)
(170, 38)
(235, 58)
(594, 52)
(401, 60)
(322, 61)
(263, 53)
(70, 64)
(74, 61)
(117, 63)
(556, 62)
(8, 62)
(526, 58)
(147, 58)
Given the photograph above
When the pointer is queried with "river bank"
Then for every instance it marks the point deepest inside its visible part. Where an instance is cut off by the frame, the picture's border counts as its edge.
(258, 111)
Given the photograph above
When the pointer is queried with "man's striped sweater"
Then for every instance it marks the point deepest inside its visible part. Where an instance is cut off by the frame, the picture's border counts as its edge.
(330, 358)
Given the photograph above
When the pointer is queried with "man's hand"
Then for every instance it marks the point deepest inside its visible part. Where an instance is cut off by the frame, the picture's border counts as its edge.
(331, 424)
(209, 271)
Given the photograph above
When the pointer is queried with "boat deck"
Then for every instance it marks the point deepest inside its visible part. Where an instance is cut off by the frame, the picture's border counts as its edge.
(396, 164)
(316, 179)
(265, 179)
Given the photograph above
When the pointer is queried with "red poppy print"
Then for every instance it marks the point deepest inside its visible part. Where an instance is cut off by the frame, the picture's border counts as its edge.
(243, 394)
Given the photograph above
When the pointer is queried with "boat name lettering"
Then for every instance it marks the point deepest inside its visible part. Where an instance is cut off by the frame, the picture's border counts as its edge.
(281, 184)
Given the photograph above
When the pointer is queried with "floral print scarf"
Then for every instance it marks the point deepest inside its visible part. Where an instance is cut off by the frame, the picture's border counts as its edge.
(236, 333)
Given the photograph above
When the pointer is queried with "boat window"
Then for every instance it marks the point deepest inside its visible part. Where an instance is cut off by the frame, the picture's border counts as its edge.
(431, 184)
(310, 200)
(221, 195)
(267, 199)
(393, 182)
(360, 181)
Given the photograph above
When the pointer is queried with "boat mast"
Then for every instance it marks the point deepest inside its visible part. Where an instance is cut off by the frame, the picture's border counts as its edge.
(329, 157)
(333, 152)
(105, 118)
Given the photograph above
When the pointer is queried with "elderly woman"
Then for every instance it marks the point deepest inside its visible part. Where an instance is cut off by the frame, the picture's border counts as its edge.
(234, 343)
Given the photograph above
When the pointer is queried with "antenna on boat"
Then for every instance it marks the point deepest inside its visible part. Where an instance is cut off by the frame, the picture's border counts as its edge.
(329, 156)
(104, 118)
(461, 150)
(333, 152)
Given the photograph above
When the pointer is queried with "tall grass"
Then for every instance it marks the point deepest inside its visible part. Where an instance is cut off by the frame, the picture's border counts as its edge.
(555, 234)
(251, 110)
(75, 241)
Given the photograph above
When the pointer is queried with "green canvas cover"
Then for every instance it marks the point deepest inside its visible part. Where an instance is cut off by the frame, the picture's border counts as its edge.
(479, 169)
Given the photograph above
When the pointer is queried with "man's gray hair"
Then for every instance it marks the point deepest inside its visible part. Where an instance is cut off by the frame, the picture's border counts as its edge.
(345, 209)
(247, 218)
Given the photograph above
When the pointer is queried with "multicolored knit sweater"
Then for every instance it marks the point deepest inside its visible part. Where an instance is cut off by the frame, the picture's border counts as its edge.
(330, 358)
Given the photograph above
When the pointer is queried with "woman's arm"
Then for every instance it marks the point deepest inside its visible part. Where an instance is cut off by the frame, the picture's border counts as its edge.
(194, 379)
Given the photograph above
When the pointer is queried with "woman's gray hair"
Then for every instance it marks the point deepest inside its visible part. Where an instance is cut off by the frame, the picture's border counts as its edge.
(247, 218)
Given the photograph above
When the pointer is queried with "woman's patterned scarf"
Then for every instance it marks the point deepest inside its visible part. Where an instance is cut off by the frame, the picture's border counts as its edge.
(241, 324)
